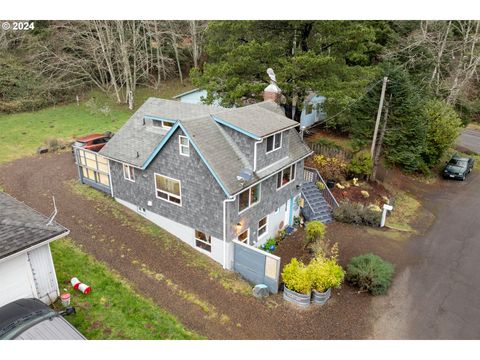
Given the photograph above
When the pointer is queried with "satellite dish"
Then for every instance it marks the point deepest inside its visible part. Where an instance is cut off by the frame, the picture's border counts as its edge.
(245, 175)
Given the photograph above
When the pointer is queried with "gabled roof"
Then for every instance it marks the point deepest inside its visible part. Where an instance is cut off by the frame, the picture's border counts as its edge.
(137, 144)
(21, 227)
(257, 120)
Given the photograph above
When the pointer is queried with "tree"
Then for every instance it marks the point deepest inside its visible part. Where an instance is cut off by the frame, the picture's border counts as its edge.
(443, 125)
(445, 56)
(405, 136)
(332, 58)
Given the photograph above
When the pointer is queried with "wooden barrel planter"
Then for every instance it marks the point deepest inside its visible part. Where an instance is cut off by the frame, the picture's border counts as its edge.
(298, 299)
(321, 297)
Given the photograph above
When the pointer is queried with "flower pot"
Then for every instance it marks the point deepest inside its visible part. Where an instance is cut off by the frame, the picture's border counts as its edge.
(298, 299)
(321, 297)
(330, 184)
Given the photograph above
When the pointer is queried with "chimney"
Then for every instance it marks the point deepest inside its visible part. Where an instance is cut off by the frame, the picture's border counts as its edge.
(272, 91)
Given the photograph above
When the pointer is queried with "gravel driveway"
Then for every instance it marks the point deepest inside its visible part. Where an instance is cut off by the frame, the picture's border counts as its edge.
(168, 274)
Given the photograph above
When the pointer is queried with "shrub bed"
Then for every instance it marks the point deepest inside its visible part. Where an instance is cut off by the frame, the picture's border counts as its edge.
(355, 213)
(370, 273)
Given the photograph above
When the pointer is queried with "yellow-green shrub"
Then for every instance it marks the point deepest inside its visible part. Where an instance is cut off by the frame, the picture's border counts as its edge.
(325, 273)
(296, 277)
(315, 231)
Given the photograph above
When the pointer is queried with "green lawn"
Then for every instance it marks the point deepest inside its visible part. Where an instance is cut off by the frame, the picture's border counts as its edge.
(112, 310)
(23, 133)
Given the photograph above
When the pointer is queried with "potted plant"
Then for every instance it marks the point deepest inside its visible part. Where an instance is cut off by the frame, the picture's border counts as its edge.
(325, 274)
(298, 285)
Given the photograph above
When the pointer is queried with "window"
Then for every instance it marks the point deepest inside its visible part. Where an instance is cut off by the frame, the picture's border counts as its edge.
(94, 167)
(184, 145)
(128, 172)
(262, 226)
(274, 142)
(248, 198)
(309, 109)
(168, 189)
(244, 237)
(286, 176)
(203, 241)
(162, 124)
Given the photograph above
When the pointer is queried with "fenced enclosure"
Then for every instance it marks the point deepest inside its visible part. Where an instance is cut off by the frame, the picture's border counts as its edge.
(330, 151)
(256, 266)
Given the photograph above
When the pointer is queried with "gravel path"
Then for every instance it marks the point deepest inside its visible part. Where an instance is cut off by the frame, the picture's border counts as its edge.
(168, 275)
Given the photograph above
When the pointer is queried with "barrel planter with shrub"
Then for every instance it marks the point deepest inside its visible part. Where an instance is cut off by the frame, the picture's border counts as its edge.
(325, 274)
(321, 298)
(297, 282)
(302, 300)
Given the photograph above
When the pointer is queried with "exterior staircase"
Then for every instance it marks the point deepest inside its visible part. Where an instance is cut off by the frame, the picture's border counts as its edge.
(319, 204)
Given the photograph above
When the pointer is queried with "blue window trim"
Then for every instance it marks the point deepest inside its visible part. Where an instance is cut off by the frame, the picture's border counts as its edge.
(165, 139)
(240, 130)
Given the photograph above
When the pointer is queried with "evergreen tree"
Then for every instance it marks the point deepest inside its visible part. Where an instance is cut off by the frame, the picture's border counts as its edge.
(405, 137)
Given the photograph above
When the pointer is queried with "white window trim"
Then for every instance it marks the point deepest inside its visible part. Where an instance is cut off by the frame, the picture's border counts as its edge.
(291, 172)
(162, 123)
(180, 146)
(248, 236)
(128, 172)
(264, 226)
(249, 197)
(203, 241)
(166, 192)
(274, 149)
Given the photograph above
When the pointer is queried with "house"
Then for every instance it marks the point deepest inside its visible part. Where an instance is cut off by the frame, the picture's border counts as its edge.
(26, 266)
(312, 111)
(209, 175)
(194, 96)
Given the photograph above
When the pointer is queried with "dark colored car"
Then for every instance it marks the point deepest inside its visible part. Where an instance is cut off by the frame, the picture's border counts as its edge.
(458, 168)
(93, 142)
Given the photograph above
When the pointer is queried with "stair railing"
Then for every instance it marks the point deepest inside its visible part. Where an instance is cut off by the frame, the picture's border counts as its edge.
(312, 175)
(310, 211)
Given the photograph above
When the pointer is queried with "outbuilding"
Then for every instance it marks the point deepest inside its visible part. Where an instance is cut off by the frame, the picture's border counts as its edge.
(26, 265)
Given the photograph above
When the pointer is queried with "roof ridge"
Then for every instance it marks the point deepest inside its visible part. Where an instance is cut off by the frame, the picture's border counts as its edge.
(234, 146)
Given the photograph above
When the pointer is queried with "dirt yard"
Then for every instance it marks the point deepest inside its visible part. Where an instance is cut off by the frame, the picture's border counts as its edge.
(178, 278)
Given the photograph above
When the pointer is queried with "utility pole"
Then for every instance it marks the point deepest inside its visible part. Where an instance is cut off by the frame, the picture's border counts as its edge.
(378, 150)
(379, 114)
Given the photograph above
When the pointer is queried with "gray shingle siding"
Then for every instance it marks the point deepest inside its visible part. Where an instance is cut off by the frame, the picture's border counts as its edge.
(270, 200)
(201, 194)
(264, 159)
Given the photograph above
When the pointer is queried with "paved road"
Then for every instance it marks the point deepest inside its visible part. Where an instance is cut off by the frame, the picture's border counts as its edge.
(470, 139)
(438, 296)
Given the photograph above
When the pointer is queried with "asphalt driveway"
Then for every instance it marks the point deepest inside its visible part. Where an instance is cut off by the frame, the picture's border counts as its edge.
(438, 295)
(470, 139)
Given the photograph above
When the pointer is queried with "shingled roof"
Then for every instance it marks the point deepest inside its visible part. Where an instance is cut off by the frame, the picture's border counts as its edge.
(136, 144)
(21, 227)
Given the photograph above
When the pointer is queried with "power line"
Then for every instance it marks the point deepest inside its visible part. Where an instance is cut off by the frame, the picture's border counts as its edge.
(348, 106)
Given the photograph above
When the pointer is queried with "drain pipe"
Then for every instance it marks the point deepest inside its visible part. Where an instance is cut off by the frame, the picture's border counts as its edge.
(255, 155)
(229, 199)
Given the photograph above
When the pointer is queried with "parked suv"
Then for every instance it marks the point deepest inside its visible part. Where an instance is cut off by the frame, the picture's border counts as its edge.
(458, 168)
